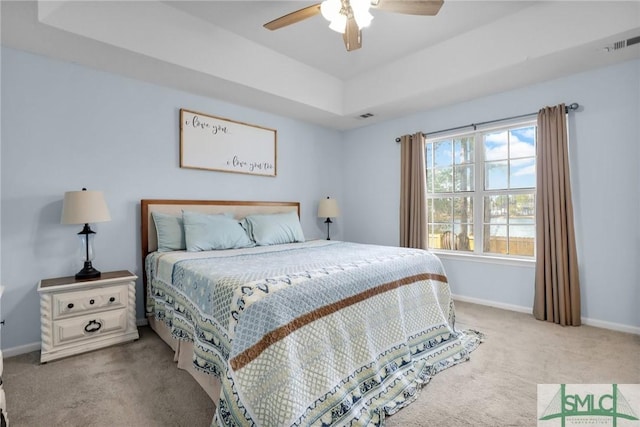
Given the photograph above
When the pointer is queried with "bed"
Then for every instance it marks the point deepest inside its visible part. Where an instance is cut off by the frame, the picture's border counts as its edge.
(292, 332)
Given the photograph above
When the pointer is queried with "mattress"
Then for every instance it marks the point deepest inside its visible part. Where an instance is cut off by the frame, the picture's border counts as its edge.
(316, 333)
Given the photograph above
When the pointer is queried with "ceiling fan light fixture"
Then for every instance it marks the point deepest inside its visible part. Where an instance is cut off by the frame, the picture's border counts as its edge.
(339, 23)
(332, 11)
(363, 20)
(330, 8)
(361, 12)
(349, 17)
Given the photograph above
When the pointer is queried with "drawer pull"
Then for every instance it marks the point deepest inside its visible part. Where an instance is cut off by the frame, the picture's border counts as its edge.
(70, 305)
(112, 299)
(93, 326)
(92, 301)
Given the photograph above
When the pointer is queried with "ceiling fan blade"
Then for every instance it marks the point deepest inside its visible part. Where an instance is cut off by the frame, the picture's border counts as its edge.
(293, 17)
(409, 7)
(352, 35)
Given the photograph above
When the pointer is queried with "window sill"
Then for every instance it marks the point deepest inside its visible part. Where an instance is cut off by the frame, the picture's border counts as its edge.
(486, 259)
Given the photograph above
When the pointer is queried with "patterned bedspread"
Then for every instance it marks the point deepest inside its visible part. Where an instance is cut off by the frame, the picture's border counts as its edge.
(316, 334)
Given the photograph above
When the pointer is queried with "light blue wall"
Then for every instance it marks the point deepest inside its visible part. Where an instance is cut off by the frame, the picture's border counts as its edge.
(605, 153)
(66, 126)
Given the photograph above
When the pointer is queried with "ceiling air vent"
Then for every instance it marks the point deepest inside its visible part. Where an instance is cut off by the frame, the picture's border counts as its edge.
(366, 115)
(622, 44)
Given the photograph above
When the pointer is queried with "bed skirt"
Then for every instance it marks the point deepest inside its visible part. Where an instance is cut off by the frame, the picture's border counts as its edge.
(183, 355)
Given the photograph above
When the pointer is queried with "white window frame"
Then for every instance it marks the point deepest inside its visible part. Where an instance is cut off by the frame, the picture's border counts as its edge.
(480, 193)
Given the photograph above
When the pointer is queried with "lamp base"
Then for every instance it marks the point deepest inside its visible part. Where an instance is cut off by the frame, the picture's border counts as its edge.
(88, 272)
(328, 222)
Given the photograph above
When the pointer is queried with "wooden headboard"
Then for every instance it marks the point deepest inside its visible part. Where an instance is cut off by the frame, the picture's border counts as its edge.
(240, 209)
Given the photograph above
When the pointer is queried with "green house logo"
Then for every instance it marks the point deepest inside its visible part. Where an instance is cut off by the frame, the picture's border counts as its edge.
(589, 408)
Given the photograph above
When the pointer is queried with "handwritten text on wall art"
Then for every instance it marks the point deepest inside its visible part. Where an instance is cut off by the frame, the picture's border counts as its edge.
(214, 143)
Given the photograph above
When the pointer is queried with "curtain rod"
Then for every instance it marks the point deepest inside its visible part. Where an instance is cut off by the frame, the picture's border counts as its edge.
(570, 107)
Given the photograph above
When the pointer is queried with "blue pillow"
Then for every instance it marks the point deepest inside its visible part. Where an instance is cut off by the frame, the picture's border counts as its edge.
(274, 229)
(170, 232)
(211, 232)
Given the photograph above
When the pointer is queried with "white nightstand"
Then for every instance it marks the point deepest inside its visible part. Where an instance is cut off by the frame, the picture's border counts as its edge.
(79, 316)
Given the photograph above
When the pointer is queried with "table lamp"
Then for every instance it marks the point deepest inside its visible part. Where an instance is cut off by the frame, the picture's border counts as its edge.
(328, 208)
(83, 207)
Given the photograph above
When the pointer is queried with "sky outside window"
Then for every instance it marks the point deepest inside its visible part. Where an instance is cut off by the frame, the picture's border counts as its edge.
(510, 159)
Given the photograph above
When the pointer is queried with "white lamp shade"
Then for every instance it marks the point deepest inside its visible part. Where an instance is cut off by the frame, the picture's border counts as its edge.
(83, 207)
(339, 23)
(361, 12)
(328, 208)
(330, 9)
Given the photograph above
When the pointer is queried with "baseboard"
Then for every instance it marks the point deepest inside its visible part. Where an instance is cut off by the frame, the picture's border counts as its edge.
(496, 304)
(610, 325)
(521, 309)
(142, 322)
(21, 349)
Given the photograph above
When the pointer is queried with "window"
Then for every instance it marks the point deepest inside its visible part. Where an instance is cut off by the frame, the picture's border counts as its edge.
(481, 191)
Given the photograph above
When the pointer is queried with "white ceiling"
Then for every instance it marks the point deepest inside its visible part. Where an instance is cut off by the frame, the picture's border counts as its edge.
(407, 63)
(390, 37)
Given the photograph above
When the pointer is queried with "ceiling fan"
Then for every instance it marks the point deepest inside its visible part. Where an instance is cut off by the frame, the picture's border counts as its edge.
(350, 16)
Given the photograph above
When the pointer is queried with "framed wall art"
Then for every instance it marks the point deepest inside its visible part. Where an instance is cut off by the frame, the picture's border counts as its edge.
(218, 144)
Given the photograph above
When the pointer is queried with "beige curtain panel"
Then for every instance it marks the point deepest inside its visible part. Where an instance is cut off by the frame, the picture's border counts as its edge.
(413, 190)
(557, 285)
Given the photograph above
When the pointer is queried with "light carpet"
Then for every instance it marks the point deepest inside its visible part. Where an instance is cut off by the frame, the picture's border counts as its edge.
(137, 384)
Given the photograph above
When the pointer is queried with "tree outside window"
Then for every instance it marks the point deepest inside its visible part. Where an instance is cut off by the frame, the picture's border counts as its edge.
(481, 191)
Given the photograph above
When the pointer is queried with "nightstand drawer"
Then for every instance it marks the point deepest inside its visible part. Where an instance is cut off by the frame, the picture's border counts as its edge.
(89, 326)
(73, 303)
